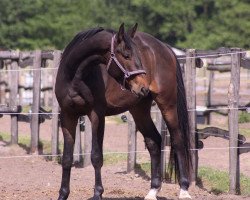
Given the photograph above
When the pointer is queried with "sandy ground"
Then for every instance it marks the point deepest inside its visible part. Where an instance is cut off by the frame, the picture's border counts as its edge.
(33, 177)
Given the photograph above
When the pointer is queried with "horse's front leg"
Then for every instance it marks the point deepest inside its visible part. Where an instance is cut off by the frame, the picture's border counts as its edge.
(144, 123)
(180, 151)
(68, 124)
(98, 122)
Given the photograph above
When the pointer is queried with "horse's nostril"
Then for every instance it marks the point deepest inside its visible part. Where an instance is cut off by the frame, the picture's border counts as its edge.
(144, 91)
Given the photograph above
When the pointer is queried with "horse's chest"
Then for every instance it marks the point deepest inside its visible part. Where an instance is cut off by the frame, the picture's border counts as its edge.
(119, 101)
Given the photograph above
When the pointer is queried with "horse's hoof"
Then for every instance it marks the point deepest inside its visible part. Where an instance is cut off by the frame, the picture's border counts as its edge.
(97, 198)
(152, 194)
(148, 197)
(184, 194)
(63, 194)
(62, 197)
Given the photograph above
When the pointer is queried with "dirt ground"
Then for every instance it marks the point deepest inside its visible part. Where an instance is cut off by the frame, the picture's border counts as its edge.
(25, 177)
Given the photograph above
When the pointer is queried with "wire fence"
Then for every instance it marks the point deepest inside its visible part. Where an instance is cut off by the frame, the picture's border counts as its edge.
(113, 153)
(127, 152)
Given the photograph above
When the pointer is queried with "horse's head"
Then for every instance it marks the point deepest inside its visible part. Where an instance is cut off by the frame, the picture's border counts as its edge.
(125, 64)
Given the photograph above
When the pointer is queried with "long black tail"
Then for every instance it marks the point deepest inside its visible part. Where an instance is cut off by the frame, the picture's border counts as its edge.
(183, 124)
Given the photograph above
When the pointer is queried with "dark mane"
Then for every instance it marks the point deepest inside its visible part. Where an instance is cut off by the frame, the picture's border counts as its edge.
(77, 39)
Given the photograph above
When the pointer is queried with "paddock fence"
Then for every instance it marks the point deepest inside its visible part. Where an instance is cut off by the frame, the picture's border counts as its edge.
(17, 90)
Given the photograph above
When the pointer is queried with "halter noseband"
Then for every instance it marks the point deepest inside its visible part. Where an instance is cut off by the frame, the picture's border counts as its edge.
(127, 74)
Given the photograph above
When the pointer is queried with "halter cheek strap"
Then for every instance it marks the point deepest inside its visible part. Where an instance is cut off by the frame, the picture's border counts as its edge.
(126, 73)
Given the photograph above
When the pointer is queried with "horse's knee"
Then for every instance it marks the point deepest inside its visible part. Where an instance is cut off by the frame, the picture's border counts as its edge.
(97, 159)
(153, 146)
(67, 162)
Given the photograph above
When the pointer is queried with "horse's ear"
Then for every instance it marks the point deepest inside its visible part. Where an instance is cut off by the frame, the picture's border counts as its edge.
(132, 31)
(120, 34)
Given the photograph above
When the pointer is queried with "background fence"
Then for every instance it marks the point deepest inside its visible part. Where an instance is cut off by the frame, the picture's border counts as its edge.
(27, 78)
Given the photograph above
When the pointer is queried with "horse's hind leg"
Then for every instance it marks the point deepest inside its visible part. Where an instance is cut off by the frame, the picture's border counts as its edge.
(144, 123)
(68, 124)
(98, 122)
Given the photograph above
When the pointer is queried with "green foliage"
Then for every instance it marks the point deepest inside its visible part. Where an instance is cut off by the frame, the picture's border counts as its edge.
(203, 24)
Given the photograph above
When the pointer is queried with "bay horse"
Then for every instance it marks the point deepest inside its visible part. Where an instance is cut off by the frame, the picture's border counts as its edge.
(102, 73)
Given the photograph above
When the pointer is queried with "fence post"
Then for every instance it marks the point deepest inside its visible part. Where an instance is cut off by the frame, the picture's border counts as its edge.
(2, 85)
(233, 103)
(55, 108)
(132, 136)
(164, 141)
(87, 142)
(36, 101)
(162, 129)
(210, 93)
(13, 100)
(190, 76)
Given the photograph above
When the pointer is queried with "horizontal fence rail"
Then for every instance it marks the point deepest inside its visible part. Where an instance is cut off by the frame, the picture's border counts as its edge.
(34, 62)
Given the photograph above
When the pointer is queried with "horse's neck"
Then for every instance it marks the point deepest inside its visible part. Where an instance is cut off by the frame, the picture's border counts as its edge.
(91, 52)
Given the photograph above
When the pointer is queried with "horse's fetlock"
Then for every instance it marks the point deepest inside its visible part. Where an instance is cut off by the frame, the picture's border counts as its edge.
(99, 190)
(156, 183)
(63, 193)
(184, 183)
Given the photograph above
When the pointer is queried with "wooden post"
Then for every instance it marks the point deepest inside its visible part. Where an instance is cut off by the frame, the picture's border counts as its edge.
(87, 142)
(78, 145)
(210, 93)
(13, 101)
(2, 85)
(164, 137)
(248, 79)
(36, 102)
(46, 84)
(190, 76)
(131, 161)
(233, 103)
(162, 129)
(55, 108)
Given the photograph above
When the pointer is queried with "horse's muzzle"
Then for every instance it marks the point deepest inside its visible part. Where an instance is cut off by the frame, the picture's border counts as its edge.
(143, 92)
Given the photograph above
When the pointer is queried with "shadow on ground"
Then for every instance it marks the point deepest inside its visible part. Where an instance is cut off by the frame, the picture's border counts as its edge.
(131, 198)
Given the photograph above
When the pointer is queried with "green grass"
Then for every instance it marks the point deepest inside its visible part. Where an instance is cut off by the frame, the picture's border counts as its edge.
(218, 181)
(245, 132)
(116, 118)
(213, 180)
(146, 167)
(24, 142)
(111, 158)
(244, 117)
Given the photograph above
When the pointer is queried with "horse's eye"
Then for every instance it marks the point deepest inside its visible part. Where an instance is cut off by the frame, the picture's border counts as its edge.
(126, 56)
